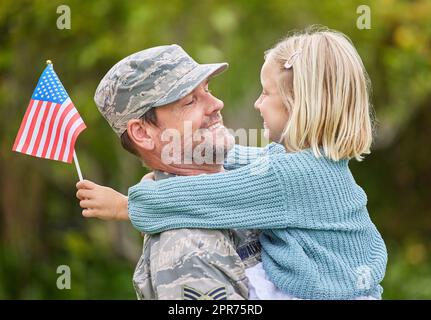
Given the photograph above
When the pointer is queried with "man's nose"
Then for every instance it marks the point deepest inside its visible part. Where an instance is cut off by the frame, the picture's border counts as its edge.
(214, 105)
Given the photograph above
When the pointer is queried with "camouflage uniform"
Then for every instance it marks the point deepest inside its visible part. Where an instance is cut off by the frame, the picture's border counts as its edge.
(196, 264)
(175, 264)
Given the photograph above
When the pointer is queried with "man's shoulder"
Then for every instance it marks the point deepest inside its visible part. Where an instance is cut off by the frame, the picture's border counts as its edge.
(182, 259)
(183, 250)
(179, 242)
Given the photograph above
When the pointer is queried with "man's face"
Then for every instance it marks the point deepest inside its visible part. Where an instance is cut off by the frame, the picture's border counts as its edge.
(197, 119)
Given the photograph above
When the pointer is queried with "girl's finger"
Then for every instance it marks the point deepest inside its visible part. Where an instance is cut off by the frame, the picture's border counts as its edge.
(86, 204)
(84, 194)
(88, 213)
(86, 184)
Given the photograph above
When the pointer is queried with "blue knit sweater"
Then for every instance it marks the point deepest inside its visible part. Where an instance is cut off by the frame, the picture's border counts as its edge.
(318, 241)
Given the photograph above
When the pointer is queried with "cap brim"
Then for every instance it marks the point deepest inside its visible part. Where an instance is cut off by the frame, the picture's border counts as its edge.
(190, 81)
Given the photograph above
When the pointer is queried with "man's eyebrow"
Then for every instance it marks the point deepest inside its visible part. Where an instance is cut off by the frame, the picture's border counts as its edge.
(204, 83)
(186, 96)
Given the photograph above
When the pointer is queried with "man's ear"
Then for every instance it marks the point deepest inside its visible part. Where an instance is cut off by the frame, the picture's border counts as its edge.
(141, 133)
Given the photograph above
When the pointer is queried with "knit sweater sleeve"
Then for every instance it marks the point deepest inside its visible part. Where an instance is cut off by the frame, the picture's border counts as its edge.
(241, 156)
(249, 197)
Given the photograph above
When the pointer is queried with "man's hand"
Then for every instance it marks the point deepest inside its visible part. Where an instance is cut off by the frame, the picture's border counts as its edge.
(101, 202)
(148, 176)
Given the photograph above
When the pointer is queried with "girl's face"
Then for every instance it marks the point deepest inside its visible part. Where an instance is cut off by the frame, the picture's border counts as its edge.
(269, 103)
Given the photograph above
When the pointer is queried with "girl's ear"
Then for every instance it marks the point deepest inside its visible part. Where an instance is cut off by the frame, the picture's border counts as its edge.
(141, 134)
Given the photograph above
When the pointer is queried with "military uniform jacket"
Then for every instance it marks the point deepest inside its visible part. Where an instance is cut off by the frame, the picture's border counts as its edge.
(196, 264)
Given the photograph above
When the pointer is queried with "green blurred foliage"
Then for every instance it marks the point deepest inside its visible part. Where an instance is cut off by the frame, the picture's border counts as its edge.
(41, 225)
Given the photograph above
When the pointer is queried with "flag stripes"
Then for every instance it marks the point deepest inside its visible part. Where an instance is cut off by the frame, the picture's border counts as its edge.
(51, 122)
(49, 130)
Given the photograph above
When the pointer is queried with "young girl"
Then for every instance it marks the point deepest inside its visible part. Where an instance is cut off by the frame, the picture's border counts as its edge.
(318, 241)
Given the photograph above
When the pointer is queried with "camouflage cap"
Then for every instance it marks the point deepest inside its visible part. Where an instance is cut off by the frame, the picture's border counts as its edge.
(146, 79)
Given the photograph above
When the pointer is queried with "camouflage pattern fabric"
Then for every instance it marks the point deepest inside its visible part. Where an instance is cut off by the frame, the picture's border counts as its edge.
(196, 264)
(147, 79)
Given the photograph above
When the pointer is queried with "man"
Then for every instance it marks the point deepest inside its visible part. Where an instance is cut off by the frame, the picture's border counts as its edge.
(143, 97)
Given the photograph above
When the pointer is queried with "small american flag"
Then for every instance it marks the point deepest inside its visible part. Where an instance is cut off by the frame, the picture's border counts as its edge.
(51, 123)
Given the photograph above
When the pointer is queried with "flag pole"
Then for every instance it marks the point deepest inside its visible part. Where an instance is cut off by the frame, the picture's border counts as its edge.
(75, 158)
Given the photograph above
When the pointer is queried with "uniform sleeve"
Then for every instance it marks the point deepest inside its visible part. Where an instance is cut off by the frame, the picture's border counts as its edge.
(197, 264)
(247, 198)
(142, 276)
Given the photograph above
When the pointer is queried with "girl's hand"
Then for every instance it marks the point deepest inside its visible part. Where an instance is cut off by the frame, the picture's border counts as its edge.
(101, 202)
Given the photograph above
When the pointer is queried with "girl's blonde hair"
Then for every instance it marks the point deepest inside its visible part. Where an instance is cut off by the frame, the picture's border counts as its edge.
(328, 98)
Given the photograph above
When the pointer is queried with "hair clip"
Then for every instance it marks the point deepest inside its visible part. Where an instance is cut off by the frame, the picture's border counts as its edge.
(291, 59)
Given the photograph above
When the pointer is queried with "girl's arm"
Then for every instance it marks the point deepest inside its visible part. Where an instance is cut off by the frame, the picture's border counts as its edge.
(241, 156)
(105, 203)
(249, 197)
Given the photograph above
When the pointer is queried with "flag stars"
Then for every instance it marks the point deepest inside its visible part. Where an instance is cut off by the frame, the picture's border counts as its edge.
(50, 87)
